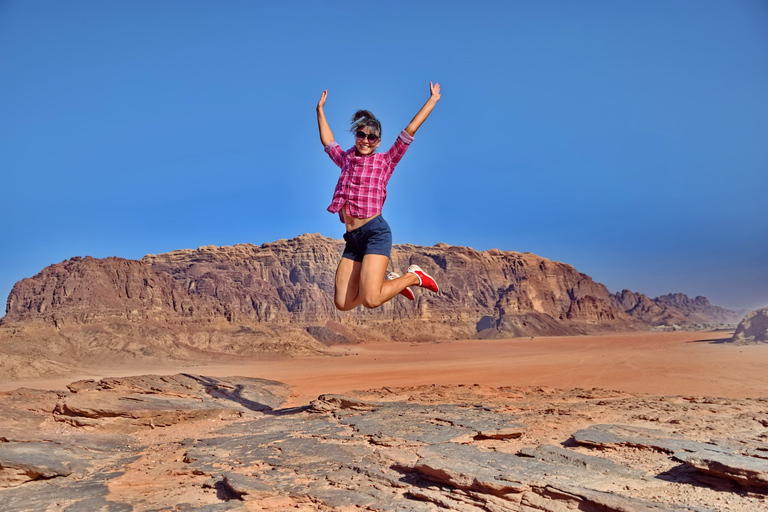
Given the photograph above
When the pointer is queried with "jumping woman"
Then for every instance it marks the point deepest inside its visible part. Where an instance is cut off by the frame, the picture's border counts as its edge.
(361, 277)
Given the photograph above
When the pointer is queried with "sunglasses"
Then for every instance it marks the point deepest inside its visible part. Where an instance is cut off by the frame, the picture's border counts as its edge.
(362, 135)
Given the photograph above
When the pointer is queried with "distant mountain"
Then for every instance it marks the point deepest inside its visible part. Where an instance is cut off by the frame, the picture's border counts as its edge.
(278, 298)
(673, 309)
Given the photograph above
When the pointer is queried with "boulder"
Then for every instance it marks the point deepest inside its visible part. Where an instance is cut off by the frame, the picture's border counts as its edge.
(753, 328)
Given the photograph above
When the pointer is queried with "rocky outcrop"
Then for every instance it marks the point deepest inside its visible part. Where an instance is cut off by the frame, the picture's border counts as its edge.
(292, 281)
(753, 328)
(672, 309)
(95, 311)
(236, 444)
(277, 298)
(88, 290)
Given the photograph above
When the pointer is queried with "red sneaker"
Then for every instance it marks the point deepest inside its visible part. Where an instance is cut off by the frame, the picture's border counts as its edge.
(407, 292)
(425, 280)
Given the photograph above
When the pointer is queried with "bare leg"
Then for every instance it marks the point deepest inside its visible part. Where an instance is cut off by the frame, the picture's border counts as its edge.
(374, 289)
(363, 283)
(347, 291)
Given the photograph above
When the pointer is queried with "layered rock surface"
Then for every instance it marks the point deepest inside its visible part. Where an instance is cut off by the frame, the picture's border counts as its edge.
(277, 298)
(190, 442)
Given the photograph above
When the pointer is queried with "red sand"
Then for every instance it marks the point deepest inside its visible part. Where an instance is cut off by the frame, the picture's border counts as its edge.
(675, 363)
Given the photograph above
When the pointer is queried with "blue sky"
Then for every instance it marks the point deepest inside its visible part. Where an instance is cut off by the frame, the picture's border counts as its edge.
(626, 138)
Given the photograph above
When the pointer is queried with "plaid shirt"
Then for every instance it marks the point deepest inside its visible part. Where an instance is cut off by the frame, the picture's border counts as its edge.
(363, 181)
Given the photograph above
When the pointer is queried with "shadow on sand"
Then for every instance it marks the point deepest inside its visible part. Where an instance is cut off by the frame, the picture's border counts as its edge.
(215, 389)
(716, 341)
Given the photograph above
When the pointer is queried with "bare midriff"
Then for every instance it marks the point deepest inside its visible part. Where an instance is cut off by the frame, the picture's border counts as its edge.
(353, 222)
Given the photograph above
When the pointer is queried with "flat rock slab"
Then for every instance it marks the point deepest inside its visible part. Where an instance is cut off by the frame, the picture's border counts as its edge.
(395, 423)
(611, 436)
(156, 401)
(95, 409)
(596, 465)
(306, 455)
(22, 462)
(63, 494)
(746, 470)
(251, 393)
(73, 456)
(553, 474)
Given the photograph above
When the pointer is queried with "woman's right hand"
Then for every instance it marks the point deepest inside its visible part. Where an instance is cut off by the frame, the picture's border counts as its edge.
(326, 135)
(323, 97)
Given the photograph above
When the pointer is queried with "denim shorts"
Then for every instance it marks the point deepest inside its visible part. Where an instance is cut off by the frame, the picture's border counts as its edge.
(373, 237)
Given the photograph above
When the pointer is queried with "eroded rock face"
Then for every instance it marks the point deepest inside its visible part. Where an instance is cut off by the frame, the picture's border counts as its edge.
(428, 448)
(292, 280)
(86, 290)
(753, 329)
(278, 298)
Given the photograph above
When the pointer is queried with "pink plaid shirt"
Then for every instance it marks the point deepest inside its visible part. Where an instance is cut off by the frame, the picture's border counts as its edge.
(363, 181)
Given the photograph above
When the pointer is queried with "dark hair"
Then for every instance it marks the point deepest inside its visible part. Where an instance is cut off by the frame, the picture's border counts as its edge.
(364, 119)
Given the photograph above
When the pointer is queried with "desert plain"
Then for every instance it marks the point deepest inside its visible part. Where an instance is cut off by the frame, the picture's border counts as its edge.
(639, 421)
(663, 363)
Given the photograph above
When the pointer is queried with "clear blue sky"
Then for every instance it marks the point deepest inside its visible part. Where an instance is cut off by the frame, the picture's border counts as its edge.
(626, 138)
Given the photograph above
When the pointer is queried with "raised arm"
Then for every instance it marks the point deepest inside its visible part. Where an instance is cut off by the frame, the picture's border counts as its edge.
(326, 135)
(421, 115)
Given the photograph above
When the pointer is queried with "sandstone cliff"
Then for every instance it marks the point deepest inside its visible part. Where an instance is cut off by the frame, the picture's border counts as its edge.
(753, 328)
(92, 311)
(277, 298)
(291, 281)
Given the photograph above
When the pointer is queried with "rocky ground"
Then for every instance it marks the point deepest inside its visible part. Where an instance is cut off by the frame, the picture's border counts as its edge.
(190, 442)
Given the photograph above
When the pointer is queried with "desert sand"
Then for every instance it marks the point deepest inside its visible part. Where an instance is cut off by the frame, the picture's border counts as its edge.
(660, 363)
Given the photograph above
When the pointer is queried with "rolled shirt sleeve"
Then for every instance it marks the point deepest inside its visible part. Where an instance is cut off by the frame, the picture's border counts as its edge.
(396, 152)
(335, 152)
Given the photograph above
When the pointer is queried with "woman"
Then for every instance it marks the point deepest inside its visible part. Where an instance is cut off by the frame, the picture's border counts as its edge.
(361, 277)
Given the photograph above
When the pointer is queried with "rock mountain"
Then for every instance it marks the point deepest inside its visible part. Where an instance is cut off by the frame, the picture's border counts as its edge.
(277, 298)
(753, 328)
